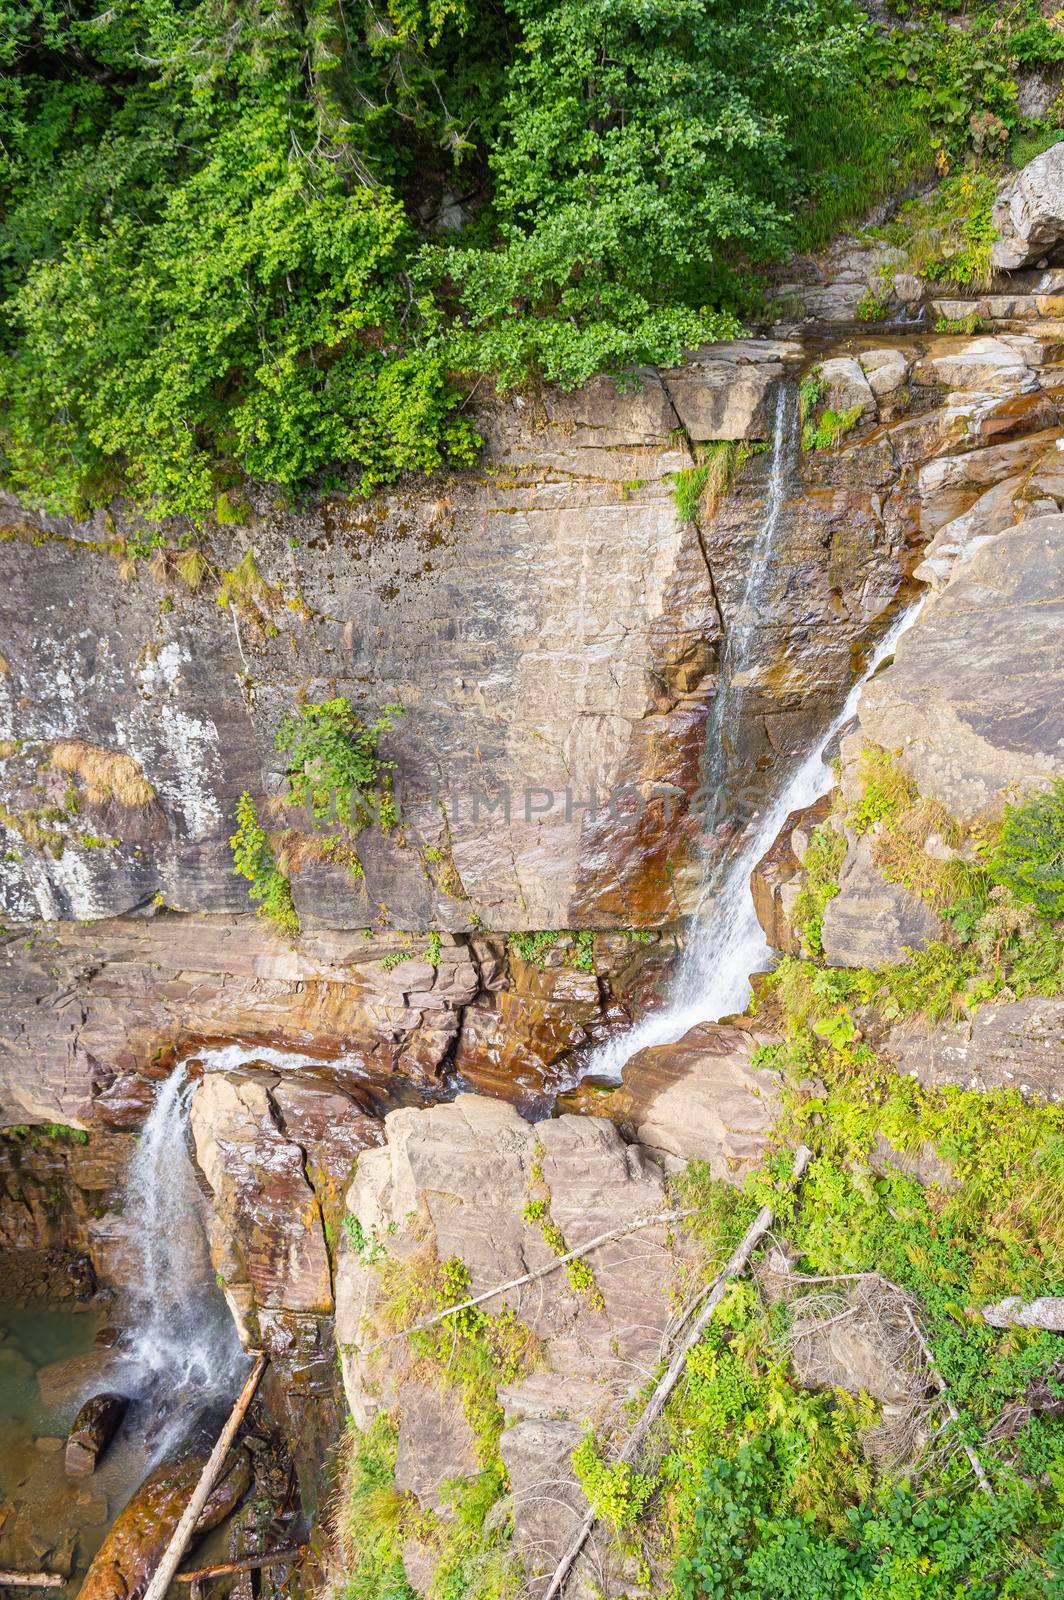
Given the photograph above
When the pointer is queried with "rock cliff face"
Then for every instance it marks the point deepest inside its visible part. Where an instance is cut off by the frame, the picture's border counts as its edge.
(550, 623)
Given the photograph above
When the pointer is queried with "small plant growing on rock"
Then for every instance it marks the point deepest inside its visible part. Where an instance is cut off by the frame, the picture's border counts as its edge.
(253, 859)
(1029, 858)
(810, 393)
(821, 866)
(332, 764)
(831, 426)
(699, 490)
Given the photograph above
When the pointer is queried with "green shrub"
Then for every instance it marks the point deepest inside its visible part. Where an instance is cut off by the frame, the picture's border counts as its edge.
(615, 1491)
(1029, 858)
(947, 234)
(331, 762)
(829, 428)
(253, 859)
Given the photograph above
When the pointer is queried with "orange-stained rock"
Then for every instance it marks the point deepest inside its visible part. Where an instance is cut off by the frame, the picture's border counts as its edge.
(141, 1532)
(776, 879)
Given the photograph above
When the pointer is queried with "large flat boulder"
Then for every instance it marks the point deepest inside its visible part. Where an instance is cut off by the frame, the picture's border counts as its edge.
(870, 922)
(454, 1180)
(728, 391)
(702, 1099)
(1011, 1044)
(974, 699)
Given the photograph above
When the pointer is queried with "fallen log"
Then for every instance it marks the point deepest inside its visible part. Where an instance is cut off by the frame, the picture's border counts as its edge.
(736, 1263)
(31, 1580)
(267, 1558)
(138, 1538)
(94, 1427)
(164, 1572)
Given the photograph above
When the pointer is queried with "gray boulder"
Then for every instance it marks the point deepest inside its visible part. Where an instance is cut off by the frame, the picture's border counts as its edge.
(870, 922)
(1029, 212)
(1047, 1313)
(974, 699)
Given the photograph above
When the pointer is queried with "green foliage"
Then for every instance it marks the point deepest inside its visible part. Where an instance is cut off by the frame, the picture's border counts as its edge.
(1029, 857)
(820, 883)
(254, 860)
(225, 249)
(874, 304)
(615, 1491)
(534, 947)
(967, 325)
(952, 76)
(641, 151)
(331, 759)
(371, 1532)
(829, 428)
(898, 1543)
(395, 958)
(536, 1211)
(884, 790)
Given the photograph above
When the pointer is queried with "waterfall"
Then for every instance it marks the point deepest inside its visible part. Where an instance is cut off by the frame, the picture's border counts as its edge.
(183, 1345)
(740, 644)
(726, 943)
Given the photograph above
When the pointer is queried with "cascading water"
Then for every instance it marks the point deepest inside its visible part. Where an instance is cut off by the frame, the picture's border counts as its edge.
(182, 1343)
(741, 631)
(727, 943)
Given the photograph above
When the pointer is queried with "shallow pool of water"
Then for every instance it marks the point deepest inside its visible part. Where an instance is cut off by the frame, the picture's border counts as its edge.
(49, 1521)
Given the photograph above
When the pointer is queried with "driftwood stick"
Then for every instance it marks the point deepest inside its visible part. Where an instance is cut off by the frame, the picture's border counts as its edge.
(267, 1558)
(736, 1264)
(31, 1580)
(164, 1572)
(540, 1272)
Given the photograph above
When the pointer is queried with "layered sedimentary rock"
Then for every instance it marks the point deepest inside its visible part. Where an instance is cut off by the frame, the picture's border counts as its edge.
(549, 622)
(454, 1181)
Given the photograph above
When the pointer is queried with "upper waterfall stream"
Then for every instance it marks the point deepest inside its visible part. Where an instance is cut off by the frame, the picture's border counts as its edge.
(726, 943)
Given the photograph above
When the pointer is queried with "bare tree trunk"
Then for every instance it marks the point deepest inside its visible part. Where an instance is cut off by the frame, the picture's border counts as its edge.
(735, 1265)
(164, 1572)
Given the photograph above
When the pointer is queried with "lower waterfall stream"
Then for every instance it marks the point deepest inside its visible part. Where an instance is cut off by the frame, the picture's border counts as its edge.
(182, 1341)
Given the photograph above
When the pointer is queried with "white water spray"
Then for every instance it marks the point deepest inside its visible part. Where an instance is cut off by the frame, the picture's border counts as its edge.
(183, 1344)
(727, 943)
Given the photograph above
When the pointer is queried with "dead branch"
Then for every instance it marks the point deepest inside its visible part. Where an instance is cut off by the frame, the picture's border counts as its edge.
(267, 1558)
(940, 1384)
(736, 1264)
(164, 1572)
(540, 1272)
(31, 1580)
